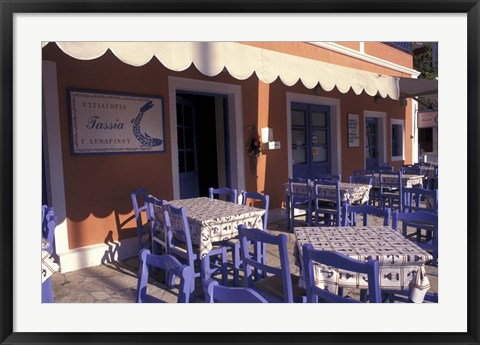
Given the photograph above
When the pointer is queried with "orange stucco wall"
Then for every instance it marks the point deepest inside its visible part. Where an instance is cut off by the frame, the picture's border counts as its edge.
(312, 51)
(98, 187)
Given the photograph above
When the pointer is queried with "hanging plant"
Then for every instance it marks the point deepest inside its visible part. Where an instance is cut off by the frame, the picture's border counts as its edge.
(253, 148)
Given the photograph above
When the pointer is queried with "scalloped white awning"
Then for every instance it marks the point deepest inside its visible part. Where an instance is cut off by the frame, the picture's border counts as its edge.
(241, 61)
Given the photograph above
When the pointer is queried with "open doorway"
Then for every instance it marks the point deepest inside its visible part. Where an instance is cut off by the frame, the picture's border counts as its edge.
(203, 144)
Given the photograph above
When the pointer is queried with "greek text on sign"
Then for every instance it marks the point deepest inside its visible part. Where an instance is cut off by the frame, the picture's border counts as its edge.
(115, 123)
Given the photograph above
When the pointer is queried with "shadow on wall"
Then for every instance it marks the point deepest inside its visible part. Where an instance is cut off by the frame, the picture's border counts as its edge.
(114, 249)
(127, 228)
(111, 254)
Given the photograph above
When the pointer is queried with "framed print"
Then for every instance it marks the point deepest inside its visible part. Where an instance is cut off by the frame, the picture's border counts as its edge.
(63, 103)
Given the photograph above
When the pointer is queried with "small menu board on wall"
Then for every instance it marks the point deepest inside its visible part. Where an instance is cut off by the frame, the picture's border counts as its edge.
(106, 122)
(353, 130)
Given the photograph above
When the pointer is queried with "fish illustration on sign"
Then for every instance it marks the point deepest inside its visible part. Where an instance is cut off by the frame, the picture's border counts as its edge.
(144, 138)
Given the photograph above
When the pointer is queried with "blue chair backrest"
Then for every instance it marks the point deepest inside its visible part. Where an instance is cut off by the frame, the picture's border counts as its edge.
(157, 208)
(49, 222)
(257, 238)
(215, 293)
(331, 194)
(419, 220)
(178, 231)
(265, 200)
(231, 194)
(157, 217)
(385, 167)
(331, 177)
(342, 262)
(420, 199)
(351, 212)
(411, 170)
(299, 189)
(361, 179)
(169, 264)
(392, 179)
(140, 204)
(362, 172)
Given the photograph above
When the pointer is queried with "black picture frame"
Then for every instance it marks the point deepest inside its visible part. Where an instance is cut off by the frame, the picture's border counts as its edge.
(10, 7)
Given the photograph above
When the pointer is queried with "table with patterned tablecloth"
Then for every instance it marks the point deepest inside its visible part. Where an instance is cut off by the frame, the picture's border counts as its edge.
(429, 171)
(402, 262)
(213, 220)
(349, 192)
(408, 180)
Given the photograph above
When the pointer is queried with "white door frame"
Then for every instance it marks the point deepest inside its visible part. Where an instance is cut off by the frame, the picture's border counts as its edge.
(235, 125)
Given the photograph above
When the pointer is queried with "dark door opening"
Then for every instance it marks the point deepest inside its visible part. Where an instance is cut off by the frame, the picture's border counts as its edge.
(371, 140)
(202, 143)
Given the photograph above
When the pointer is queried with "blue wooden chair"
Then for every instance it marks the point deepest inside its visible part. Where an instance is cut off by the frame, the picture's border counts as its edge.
(229, 194)
(420, 221)
(331, 177)
(169, 264)
(391, 190)
(49, 221)
(361, 179)
(299, 198)
(384, 167)
(141, 210)
(274, 283)
(339, 261)
(157, 219)
(411, 170)
(326, 202)
(363, 172)
(216, 293)
(179, 244)
(234, 244)
(420, 199)
(351, 211)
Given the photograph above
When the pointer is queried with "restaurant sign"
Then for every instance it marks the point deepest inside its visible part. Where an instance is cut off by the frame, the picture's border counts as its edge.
(103, 122)
(427, 119)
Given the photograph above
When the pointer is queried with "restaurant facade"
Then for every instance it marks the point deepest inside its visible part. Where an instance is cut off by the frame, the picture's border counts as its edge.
(177, 118)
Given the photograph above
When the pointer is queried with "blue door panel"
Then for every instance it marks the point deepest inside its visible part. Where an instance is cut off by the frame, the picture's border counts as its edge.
(310, 130)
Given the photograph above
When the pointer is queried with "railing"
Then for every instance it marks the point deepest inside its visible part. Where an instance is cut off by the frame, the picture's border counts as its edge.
(403, 46)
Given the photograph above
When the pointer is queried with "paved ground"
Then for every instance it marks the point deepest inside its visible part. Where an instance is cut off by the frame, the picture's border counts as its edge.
(116, 282)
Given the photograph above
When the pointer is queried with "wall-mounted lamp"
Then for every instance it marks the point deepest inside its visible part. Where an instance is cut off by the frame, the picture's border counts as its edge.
(377, 99)
(317, 89)
(403, 101)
